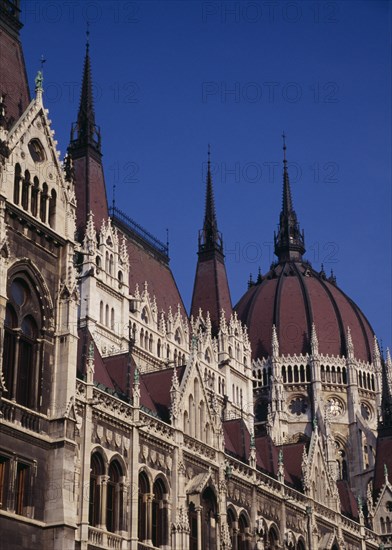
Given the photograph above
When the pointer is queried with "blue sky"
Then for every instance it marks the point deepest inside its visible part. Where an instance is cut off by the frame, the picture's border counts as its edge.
(171, 77)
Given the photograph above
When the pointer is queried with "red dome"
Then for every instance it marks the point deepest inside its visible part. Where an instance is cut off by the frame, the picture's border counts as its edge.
(292, 296)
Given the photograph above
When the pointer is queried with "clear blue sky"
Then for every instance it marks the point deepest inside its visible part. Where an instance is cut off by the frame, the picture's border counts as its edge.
(171, 77)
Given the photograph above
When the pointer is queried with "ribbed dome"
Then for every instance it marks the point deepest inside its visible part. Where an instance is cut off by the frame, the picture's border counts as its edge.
(292, 296)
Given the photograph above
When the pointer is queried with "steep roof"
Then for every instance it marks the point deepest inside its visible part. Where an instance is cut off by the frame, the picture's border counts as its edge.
(348, 503)
(116, 373)
(13, 82)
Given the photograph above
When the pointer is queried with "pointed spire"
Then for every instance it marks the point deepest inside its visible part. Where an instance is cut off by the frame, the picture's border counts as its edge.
(211, 288)
(84, 131)
(289, 241)
(209, 237)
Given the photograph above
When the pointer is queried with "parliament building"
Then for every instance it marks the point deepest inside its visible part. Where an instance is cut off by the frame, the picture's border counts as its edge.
(127, 422)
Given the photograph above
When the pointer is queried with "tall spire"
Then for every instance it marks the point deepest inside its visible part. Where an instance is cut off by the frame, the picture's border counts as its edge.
(85, 151)
(211, 289)
(85, 132)
(289, 240)
(209, 237)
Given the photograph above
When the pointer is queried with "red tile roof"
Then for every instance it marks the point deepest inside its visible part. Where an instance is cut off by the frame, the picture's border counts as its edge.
(145, 266)
(211, 291)
(348, 503)
(13, 82)
(383, 457)
(293, 296)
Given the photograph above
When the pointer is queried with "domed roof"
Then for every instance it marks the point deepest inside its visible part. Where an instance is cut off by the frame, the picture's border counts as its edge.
(293, 296)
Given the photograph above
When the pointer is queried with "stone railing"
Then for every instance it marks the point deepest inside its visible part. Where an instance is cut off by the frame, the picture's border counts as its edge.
(103, 539)
(145, 546)
(22, 416)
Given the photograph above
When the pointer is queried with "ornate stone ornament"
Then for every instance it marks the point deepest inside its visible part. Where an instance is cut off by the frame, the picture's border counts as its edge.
(298, 406)
(334, 407)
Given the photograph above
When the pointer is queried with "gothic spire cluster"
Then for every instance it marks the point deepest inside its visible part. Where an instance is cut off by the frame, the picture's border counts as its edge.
(289, 240)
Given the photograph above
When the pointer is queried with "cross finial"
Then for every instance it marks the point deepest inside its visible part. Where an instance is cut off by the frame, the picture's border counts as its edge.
(209, 155)
(42, 61)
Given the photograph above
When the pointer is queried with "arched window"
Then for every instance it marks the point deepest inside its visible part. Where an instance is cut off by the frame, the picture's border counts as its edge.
(52, 208)
(243, 533)
(26, 191)
(177, 336)
(17, 180)
(22, 348)
(44, 200)
(113, 498)
(141, 338)
(101, 312)
(159, 347)
(144, 490)
(193, 545)
(232, 524)
(273, 539)
(289, 374)
(159, 515)
(112, 325)
(209, 519)
(97, 470)
(111, 264)
(107, 315)
(34, 197)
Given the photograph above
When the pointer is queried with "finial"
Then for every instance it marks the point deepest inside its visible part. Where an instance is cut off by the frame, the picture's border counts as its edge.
(284, 148)
(252, 441)
(209, 155)
(167, 239)
(385, 472)
(42, 61)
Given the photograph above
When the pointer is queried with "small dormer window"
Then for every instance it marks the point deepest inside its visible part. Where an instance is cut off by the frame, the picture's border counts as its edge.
(36, 150)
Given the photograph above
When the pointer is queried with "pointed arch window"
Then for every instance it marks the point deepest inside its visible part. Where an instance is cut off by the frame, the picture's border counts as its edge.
(22, 349)
(44, 201)
(52, 208)
(97, 470)
(114, 498)
(209, 520)
(159, 515)
(26, 190)
(17, 182)
(243, 533)
(34, 197)
(144, 494)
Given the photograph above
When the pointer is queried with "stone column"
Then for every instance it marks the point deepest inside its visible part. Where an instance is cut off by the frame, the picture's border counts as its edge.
(103, 494)
(199, 515)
